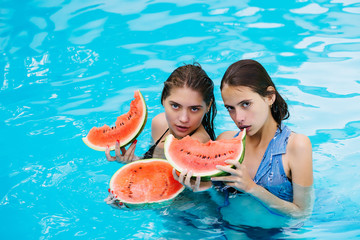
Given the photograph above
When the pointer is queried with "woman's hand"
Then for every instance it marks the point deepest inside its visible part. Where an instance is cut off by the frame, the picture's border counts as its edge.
(195, 185)
(126, 156)
(239, 177)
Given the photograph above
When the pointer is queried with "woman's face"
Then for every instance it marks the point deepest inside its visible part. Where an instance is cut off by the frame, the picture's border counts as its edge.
(247, 108)
(184, 110)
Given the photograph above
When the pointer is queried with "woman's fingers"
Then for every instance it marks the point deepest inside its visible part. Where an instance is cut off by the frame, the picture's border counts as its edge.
(187, 179)
(235, 163)
(182, 176)
(227, 169)
(121, 154)
(123, 151)
(108, 156)
(117, 150)
(176, 177)
(197, 184)
(130, 152)
(224, 179)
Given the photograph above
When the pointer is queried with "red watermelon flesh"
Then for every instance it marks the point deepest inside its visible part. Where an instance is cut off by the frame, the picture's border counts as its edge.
(127, 127)
(202, 158)
(145, 182)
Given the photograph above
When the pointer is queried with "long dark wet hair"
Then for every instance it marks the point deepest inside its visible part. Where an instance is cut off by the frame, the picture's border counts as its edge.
(252, 74)
(195, 78)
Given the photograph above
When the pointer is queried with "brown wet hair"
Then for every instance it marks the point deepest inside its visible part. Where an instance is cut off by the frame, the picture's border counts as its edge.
(250, 73)
(195, 78)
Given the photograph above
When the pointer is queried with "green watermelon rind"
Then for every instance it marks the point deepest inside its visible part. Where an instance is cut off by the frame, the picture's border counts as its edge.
(145, 205)
(204, 176)
(125, 142)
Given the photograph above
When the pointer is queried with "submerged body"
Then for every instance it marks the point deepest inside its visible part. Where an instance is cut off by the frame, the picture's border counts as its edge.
(244, 210)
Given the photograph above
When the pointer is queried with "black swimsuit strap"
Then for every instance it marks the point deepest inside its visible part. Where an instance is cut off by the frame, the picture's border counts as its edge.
(157, 142)
(150, 152)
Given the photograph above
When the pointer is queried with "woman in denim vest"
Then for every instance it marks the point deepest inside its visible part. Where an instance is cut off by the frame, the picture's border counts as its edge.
(277, 167)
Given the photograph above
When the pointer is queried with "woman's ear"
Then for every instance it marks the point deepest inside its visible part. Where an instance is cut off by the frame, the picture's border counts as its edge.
(208, 107)
(272, 95)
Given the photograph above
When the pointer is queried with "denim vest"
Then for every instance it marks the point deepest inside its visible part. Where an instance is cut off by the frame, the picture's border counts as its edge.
(271, 174)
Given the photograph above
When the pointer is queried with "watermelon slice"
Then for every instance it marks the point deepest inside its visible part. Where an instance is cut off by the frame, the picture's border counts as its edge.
(127, 127)
(145, 184)
(202, 158)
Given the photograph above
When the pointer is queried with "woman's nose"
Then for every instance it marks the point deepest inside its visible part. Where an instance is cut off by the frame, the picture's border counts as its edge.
(184, 116)
(239, 117)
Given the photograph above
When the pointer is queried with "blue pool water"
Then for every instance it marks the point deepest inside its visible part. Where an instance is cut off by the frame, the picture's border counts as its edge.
(69, 65)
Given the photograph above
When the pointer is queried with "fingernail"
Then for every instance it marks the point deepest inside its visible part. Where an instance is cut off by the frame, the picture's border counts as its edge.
(117, 141)
(135, 141)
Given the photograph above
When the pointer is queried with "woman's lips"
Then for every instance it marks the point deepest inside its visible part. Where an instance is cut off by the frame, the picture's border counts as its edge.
(242, 127)
(181, 128)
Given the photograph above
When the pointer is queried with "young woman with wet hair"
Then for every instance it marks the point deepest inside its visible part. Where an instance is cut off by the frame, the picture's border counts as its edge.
(190, 109)
(277, 167)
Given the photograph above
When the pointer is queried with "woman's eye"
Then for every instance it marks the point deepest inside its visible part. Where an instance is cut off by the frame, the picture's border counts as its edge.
(195, 109)
(174, 106)
(229, 108)
(245, 104)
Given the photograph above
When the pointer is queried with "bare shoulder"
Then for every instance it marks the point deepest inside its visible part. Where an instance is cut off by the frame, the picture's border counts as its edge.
(158, 120)
(226, 135)
(299, 144)
(158, 126)
(299, 155)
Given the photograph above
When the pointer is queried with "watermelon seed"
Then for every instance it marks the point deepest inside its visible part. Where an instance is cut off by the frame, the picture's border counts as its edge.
(165, 188)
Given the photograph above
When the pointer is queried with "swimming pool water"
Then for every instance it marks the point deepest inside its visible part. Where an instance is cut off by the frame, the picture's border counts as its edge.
(69, 65)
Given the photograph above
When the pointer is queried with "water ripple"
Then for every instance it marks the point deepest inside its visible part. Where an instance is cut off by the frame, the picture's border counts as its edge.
(312, 8)
(69, 65)
(162, 19)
